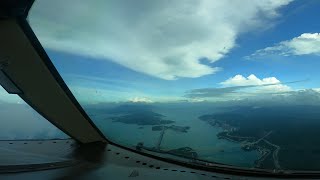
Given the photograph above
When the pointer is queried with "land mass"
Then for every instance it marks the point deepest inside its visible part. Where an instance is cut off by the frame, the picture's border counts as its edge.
(137, 114)
(278, 133)
(184, 152)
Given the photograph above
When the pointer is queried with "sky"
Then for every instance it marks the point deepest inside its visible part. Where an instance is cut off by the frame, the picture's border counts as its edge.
(159, 51)
(173, 51)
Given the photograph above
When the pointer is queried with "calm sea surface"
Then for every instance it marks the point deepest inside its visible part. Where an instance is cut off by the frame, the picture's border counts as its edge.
(201, 137)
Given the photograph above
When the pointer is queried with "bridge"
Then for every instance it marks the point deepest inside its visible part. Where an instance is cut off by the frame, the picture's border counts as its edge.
(161, 137)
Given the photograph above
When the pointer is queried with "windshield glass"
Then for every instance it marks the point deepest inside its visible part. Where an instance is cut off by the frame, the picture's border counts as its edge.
(18, 121)
(230, 82)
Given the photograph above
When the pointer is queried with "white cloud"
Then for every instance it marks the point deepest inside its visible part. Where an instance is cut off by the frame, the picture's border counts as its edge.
(140, 100)
(240, 87)
(158, 38)
(268, 84)
(306, 43)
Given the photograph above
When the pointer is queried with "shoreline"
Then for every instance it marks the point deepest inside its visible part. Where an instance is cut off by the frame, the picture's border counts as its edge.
(264, 147)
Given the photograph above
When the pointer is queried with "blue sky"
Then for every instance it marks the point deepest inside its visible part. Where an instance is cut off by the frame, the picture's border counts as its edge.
(135, 51)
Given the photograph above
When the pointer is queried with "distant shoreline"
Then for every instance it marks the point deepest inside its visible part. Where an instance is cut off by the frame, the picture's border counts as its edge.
(262, 146)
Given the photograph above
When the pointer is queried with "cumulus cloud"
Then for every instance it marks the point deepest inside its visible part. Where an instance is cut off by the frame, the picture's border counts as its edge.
(306, 43)
(140, 100)
(159, 38)
(240, 86)
(269, 84)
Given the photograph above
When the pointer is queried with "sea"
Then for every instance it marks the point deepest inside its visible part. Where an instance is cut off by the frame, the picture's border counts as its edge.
(201, 137)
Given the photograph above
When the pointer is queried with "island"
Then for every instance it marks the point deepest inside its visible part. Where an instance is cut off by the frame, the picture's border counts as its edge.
(137, 114)
(184, 152)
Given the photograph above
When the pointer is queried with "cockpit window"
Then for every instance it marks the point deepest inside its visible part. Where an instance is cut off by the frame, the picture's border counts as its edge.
(19, 121)
(206, 82)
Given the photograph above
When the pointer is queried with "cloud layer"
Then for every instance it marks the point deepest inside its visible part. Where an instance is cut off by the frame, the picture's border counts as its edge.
(240, 86)
(268, 84)
(158, 38)
(140, 100)
(305, 44)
